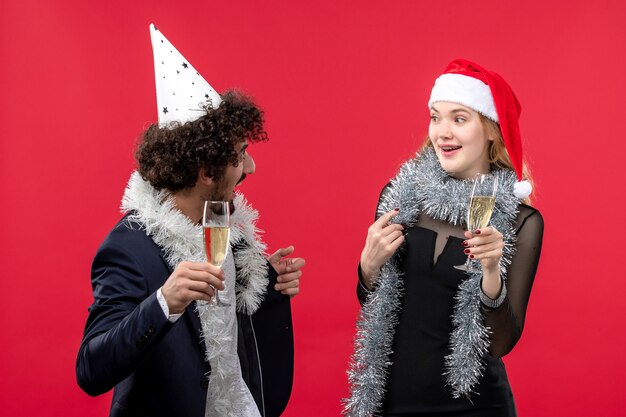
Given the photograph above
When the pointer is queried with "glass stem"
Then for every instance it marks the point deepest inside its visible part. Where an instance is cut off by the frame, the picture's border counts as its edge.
(468, 264)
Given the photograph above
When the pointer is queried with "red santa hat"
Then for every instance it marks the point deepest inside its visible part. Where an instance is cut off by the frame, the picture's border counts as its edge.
(467, 83)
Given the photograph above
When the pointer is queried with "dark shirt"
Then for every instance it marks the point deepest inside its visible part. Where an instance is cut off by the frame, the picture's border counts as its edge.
(415, 383)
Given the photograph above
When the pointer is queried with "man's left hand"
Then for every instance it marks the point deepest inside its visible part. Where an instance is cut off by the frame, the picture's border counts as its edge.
(289, 271)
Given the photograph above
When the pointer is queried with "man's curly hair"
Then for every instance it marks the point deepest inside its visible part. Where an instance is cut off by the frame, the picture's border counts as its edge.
(171, 157)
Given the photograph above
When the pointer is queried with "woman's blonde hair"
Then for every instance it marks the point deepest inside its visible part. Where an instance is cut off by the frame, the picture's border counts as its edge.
(498, 154)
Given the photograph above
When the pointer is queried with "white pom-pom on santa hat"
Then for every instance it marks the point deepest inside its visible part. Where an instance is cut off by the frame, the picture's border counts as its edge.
(522, 189)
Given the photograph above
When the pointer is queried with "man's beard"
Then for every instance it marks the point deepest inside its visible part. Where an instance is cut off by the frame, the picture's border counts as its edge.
(220, 193)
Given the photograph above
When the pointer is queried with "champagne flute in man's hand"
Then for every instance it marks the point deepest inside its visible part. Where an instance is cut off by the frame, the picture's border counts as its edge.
(216, 227)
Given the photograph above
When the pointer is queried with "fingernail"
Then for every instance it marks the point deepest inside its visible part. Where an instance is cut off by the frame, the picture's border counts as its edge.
(477, 231)
(397, 209)
(466, 251)
(471, 256)
(464, 243)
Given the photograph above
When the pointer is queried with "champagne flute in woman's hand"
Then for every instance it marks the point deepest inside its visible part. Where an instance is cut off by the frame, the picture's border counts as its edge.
(481, 204)
(216, 227)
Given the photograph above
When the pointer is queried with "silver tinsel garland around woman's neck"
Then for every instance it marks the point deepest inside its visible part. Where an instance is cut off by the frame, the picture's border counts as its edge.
(422, 186)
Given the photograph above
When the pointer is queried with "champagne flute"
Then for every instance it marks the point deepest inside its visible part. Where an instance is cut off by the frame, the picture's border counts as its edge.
(216, 227)
(481, 205)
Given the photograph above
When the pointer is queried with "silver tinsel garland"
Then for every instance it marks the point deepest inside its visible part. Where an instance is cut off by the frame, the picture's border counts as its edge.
(422, 186)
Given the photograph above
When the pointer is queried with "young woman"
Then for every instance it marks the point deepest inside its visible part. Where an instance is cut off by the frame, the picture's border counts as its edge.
(430, 337)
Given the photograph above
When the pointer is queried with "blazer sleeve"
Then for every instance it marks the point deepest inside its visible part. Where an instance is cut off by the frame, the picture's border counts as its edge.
(125, 321)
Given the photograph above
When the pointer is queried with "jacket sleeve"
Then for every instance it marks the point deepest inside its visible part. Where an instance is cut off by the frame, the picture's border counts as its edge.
(125, 322)
(506, 322)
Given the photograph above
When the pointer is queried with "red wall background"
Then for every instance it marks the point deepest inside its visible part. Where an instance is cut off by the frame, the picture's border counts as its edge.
(344, 86)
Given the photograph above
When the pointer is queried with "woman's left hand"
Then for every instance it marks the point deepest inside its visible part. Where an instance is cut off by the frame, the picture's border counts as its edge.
(485, 245)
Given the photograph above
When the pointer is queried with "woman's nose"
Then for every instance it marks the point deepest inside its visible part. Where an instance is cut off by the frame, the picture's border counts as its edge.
(444, 130)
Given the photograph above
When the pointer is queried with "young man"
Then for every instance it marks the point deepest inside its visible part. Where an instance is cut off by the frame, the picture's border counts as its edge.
(152, 333)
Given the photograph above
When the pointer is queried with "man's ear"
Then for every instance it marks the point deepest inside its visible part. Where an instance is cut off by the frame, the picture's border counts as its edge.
(203, 178)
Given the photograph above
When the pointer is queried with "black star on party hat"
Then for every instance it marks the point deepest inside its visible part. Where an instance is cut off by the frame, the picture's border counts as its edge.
(181, 91)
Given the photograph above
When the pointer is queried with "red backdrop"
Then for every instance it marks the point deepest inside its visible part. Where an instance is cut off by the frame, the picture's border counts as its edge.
(345, 87)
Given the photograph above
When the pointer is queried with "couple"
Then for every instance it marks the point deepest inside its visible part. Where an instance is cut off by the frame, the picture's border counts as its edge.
(153, 335)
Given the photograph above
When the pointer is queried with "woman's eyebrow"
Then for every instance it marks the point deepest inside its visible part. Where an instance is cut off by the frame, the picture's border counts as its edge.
(459, 111)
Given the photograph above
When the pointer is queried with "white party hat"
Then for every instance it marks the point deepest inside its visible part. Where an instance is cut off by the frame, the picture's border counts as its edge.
(181, 91)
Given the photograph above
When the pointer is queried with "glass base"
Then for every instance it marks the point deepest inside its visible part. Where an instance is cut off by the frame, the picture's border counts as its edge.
(467, 267)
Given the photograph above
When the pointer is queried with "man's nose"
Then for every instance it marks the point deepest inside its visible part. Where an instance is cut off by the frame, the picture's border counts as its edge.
(248, 165)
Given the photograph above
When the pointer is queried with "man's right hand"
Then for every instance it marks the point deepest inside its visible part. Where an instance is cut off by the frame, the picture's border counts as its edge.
(191, 281)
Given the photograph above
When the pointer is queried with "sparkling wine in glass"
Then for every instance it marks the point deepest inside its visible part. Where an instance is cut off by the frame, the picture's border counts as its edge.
(481, 204)
(216, 227)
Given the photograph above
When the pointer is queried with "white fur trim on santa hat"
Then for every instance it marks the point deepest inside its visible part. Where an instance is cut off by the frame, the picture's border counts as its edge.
(465, 90)
(522, 189)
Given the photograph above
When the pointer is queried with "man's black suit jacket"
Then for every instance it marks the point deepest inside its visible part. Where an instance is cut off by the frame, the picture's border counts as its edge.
(157, 368)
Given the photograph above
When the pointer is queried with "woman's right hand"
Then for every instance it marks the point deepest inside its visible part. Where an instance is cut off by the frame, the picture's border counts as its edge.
(383, 239)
